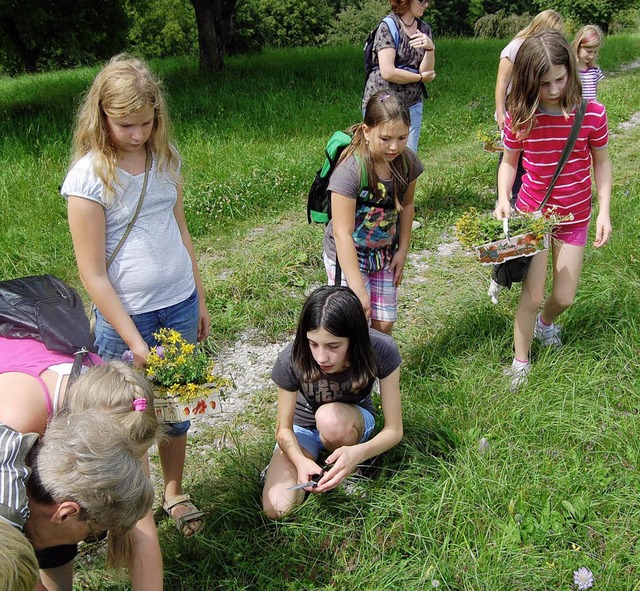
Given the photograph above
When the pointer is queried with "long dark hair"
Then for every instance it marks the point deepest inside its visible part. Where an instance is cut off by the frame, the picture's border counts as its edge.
(382, 107)
(339, 311)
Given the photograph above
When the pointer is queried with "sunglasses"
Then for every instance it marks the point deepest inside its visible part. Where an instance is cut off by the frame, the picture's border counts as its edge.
(424, 2)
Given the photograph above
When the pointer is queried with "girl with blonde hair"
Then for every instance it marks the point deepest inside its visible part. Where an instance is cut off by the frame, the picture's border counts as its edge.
(586, 46)
(546, 20)
(141, 276)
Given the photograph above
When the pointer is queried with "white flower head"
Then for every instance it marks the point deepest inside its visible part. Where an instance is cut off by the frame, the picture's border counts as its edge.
(583, 578)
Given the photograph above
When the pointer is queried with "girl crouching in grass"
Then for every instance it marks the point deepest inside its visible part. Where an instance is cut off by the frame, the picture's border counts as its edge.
(324, 381)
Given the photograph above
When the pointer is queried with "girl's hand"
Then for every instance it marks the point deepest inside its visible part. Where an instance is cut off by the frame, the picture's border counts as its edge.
(365, 300)
(397, 266)
(306, 470)
(345, 460)
(421, 41)
(140, 354)
(204, 322)
(502, 210)
(603, 230)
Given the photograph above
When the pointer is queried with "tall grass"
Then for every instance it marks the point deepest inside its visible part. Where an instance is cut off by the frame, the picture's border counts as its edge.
(554, 487)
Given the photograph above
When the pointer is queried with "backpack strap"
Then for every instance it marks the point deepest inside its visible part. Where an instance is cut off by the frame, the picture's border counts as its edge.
(395, 33)
(566, 152)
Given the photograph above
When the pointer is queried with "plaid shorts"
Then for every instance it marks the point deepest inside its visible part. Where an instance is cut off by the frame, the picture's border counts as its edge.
(379, 285)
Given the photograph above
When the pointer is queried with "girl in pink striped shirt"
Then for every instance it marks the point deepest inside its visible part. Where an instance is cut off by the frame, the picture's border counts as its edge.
(541, 108)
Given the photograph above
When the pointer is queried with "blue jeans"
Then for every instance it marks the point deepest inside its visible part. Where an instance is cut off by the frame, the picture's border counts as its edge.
(182, 317)
(415, 112)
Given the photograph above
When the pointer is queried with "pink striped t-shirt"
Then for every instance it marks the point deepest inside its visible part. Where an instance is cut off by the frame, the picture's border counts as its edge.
(542, 149)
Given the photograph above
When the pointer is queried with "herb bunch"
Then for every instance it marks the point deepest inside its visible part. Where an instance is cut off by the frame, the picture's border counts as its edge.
(180, 367)
(474, 228)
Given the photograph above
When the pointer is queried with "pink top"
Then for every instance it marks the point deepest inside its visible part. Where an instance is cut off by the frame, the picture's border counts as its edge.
(32, 358)
(542, 149)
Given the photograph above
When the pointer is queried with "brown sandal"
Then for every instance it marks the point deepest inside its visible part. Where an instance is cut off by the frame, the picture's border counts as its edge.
(184, 521)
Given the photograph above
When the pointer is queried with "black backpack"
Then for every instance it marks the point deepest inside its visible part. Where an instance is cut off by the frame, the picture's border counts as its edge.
(46, 309)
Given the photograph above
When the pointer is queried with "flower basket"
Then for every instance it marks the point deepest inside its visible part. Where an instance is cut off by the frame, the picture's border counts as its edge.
(492, 141)
(496, 241)
(171, 409)
(492, 146)
(183, 377)
(522, 245)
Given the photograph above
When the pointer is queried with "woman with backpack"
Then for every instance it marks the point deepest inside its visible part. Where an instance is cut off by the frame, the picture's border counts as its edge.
(402, 56)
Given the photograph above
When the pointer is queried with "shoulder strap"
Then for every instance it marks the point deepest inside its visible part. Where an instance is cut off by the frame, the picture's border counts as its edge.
(116, 250)
(393, 29)
(571, 141)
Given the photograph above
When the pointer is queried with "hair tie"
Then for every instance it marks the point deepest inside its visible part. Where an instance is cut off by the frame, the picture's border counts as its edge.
(384, 97)
(140, 404)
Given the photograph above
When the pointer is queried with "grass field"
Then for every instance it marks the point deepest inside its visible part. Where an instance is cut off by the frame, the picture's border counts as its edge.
(555, 485)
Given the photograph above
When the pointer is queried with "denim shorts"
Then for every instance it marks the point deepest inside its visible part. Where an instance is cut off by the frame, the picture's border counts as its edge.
(182, 317)
(309, 439)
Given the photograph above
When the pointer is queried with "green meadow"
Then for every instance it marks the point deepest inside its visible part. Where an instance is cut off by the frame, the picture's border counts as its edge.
(490, 490)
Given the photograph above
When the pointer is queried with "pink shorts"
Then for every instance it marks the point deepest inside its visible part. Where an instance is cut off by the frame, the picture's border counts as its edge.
(575, 234)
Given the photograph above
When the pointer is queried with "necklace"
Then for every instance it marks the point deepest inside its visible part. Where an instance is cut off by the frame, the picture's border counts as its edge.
(410, 24)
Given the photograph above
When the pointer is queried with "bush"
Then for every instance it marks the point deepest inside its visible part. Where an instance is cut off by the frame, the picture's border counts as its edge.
(162, 28)
(625, 21)
(500, 25)
(601, 13)
(352, 25)
(281, 23)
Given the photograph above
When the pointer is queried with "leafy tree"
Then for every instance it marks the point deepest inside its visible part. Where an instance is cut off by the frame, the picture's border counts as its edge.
(162, 28)
(596, 12)
(59, 33)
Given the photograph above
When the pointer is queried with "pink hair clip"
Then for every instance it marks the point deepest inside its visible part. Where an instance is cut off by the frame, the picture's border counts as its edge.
(140, 404)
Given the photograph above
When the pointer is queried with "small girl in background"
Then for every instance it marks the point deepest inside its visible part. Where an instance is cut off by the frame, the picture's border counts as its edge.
(586, 46)
(124, 165)
(324, 381)
(540, 112)
(372, 193)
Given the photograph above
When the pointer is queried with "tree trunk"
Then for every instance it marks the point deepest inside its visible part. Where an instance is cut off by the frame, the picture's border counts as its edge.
(214, 19)
(28, 56)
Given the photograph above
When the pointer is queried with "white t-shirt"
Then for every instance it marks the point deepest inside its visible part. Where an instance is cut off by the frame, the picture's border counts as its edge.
(153, 268)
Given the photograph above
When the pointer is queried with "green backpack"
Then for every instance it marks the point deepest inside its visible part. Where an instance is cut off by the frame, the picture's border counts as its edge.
(319, 199)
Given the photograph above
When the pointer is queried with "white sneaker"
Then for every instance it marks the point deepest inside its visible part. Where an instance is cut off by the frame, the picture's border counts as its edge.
(547, 335)
(519, 374)
(494, 291)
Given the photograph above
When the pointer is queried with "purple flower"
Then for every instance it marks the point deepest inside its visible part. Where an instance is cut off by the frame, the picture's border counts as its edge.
(160, 351)
(583, 578)
(127, 356)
